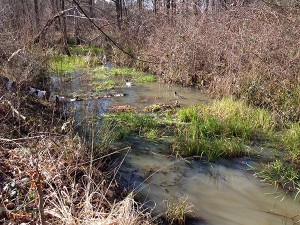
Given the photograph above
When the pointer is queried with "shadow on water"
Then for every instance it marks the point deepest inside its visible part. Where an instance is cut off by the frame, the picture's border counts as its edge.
(223, 193)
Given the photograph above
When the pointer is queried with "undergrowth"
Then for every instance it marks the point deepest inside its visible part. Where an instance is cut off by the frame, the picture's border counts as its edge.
(254, 63)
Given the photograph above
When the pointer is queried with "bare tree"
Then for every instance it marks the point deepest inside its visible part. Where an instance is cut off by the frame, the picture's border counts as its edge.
(140, 4)
(91, 7)
(64, 28)
(36, 14)
(119, 10)
(75, 25)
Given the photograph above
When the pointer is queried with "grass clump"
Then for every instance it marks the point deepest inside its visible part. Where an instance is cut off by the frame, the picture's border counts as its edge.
(141, 124)
(85, 49)
(291, 140)
(242, 120)
(133, 74)
(67, 64)
(204, 136)
(177, 210)
(81, 57)
(221, 129)
(105, 85)
(108, 78)
(145, 78)
(280, 175)
(152, 134)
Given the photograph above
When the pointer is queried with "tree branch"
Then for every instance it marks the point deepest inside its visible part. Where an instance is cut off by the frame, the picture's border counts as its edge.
(109, 38)
(48, 25)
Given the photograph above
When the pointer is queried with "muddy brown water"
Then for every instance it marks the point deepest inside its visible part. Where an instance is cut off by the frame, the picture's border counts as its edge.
(223, 193)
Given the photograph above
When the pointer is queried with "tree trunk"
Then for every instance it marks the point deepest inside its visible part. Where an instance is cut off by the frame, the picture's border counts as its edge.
(140, 4)
(36, 14)
(76, 36)
(64, 28)
(168, 5)
(173, 6)
(54, 10)
(124, 9)
(91, 7)
(119, 12)
(210, 5)
(203, 6)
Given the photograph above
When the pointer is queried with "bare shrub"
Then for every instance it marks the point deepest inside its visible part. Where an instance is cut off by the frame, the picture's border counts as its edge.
(250, 53)
(74, 192)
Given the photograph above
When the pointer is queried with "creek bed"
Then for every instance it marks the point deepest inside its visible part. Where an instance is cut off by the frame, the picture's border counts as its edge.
(221, 193)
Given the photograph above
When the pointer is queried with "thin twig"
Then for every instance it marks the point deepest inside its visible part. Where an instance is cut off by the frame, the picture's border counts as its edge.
(21, 139)
(14, 109)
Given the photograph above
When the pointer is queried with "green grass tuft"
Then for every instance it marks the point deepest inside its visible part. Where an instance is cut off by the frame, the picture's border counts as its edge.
(131, 73)
(280, 175)
(104, 85)
(291, 140)
(221, 129)
(141, 124)
(84, 49)
(242, 120)
(65, 64)
(177, 210)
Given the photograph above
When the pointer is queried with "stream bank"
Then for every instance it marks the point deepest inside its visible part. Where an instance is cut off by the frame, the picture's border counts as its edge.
(156, 176)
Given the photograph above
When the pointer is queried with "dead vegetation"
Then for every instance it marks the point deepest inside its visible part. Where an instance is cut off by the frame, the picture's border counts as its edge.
(248, 52)
(47, 176)
(73, 191)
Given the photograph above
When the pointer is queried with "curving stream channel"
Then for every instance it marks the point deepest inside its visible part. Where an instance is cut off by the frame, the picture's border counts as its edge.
(223, 193)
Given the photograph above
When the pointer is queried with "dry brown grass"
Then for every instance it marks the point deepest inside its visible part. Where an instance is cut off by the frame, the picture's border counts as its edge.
(249, 52)
(75, 190)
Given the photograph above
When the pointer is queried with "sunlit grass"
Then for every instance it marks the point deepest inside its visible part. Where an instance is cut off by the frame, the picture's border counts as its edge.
(177, 210)
(280, 175)
(205, 137)
(221, 129)
(291, 140)
(81, 57)
(132, 123)
(152, 134)
(105, 85)
(65, 64)
(242, 120)
(84, 49)
(131, 73)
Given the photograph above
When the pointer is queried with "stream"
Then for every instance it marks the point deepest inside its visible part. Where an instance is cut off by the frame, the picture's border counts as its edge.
(223, 193)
